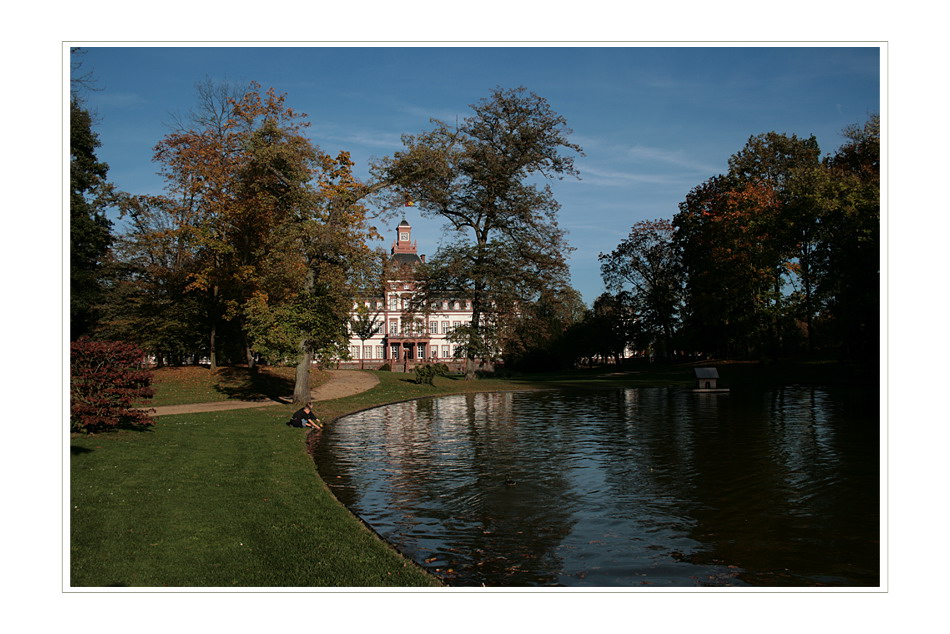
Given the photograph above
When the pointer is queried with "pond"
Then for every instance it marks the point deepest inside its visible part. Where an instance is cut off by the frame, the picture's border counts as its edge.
(620, 488)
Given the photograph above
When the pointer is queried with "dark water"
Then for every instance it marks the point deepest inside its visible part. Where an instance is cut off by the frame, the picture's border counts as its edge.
(636, 487)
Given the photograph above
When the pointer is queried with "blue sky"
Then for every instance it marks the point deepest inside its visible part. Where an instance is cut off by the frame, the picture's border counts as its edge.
(653, 121)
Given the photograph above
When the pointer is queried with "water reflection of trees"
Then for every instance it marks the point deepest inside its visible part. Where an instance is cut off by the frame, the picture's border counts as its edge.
(771, 493)
(692, 484)
(452, 461)
(753, 488)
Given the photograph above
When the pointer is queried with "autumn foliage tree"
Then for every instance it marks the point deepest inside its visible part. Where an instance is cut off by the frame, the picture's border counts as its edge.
(781, 253)
(257, 231)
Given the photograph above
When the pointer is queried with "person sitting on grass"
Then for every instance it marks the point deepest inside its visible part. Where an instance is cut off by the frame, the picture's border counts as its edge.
(304, 417)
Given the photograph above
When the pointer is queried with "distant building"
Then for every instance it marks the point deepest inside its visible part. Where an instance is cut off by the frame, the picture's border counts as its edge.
(403, 337)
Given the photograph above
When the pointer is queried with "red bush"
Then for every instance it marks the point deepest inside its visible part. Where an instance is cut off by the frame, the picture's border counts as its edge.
(106, 379)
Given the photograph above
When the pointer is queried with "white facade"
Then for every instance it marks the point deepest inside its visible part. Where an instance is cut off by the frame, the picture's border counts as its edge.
(403, 337)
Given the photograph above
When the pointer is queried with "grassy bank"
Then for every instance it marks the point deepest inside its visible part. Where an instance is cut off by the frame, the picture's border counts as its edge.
(198, 384)
(227, 499)
(221, 499)
(232, 498)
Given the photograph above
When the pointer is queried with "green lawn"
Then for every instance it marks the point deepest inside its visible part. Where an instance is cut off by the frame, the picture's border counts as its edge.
(215, 500)
(227, 499)
(233, 499)
(198, 384)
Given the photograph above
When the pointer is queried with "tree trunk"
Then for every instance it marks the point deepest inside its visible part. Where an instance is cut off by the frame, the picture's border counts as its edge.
(212, 351)
(806, 279)
(302, 384)
(475, 331)
(249, 354)
(668, 336)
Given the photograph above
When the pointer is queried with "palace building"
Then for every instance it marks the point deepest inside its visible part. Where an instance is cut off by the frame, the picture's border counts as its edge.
(393, 334)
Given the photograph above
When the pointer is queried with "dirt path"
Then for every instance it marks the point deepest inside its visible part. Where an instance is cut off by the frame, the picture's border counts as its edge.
(342, 383)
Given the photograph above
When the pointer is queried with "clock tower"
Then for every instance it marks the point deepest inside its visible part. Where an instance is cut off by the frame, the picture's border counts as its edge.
(404, 250)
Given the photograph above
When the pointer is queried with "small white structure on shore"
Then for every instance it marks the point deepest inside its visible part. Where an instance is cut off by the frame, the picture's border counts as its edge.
(706, 379)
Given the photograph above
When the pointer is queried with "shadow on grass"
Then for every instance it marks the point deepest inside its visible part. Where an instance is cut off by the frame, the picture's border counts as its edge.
(241, 384)
(78, 451)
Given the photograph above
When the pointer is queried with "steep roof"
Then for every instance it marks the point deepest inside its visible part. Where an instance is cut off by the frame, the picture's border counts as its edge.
(706, 373)
(406, 258)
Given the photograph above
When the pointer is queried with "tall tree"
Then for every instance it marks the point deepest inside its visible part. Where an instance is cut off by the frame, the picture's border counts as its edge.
(90, 230)
(478, 176)
(849, 250)
(273, 225)
(307, 286)
(786, 165)
(726, 288)
(148, 301)
(200, 161)
(786, 236)
(648, 262)
(744, 235)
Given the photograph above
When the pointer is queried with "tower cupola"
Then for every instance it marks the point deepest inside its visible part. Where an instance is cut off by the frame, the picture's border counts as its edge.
(404, 249)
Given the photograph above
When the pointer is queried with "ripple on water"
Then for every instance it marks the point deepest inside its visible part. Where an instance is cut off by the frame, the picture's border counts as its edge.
(619, 487)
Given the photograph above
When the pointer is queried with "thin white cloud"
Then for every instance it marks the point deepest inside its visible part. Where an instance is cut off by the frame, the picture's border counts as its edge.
(621, 153)
(362, 137)
(596, 176)
(677, 158)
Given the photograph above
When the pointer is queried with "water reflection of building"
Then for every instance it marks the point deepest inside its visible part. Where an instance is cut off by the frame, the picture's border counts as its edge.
(404, 336)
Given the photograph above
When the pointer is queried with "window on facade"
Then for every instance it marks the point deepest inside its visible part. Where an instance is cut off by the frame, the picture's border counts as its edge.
(421, 351)
(445, 327)
(379, 352)
(355, 352)
(393, 303)
(433, 327)
(445, 351)
(367, 352)
(394, 351)
(456, 324)
(393, 327)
